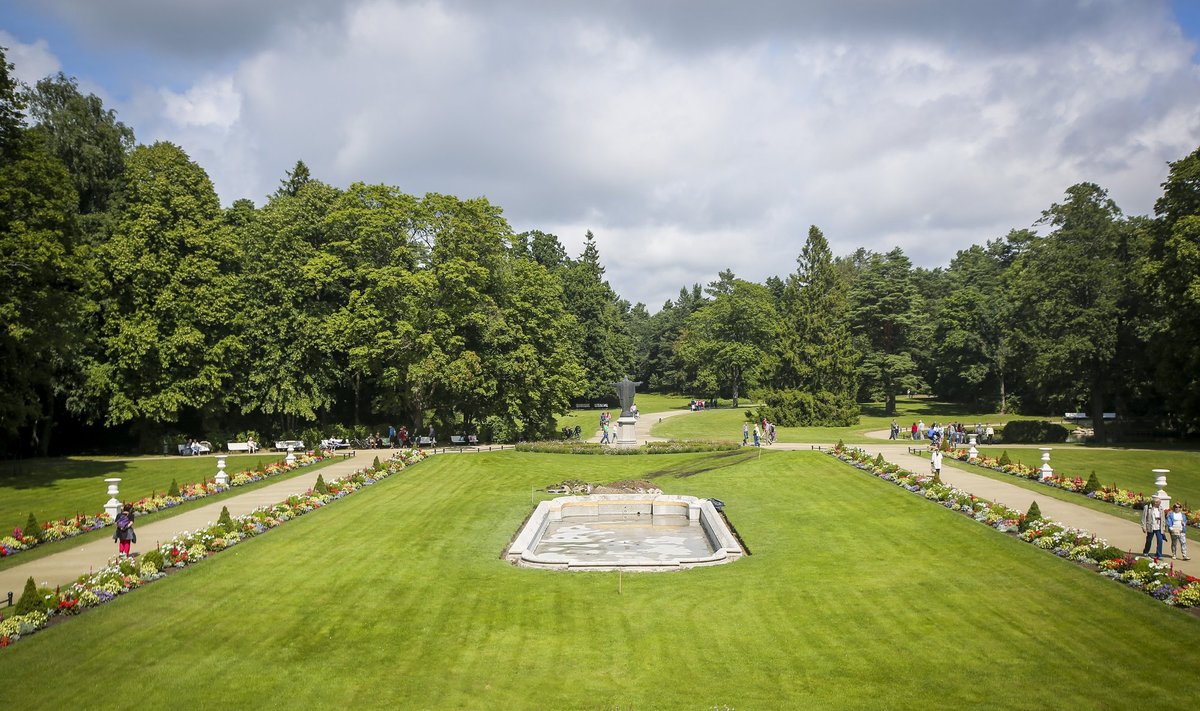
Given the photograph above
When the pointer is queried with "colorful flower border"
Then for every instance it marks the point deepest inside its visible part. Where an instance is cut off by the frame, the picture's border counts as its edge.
(54, 531)
(1109, 494)
(1156, 578)
(124, 574)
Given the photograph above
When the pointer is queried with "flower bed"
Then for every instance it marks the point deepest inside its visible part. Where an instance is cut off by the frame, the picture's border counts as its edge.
(52, 531)
(1159, 580)
(1078, 485)
(123, 573)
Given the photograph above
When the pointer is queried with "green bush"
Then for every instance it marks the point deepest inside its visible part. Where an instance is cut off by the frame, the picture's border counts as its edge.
(375, 463)
(1033, 514)
(1004, 460)
(1092, 484)
(225, 521)
(30, 600)
(321, 487)
(173, 490)
(1034, 432)
(797, 408)
(32, 527)
(153, 557)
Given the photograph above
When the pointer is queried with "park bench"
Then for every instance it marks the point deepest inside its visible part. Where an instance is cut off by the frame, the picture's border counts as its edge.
(464, 440)
(296, 445)
(427, 442)
(204, 448)
(248, 446)
(333, 443)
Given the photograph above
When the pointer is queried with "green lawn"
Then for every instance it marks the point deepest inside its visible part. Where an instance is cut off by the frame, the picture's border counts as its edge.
(56, 488)
(397, 598)
(726, 424)
(589, 420)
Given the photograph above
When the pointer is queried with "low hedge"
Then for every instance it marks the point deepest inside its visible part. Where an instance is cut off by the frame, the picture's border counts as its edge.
(671, 447)
(1034, 432)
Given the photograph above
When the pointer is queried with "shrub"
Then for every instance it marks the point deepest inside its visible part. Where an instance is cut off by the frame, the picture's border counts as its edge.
(225, 521)
(1034, 432)
(321, 487)
(173, 490)
(797, 408)
(33, 528)
(30, 599)
(375, 463)
(1004, 460)
(880, 461)
(1033, 514)
(1092, 484)
(153, 557)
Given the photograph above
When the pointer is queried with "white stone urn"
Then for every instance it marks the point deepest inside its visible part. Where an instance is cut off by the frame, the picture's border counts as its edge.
(1047, 470)
(113, 507)
(1160, 480)
(973, 453)
(222, 477)
(291, 457)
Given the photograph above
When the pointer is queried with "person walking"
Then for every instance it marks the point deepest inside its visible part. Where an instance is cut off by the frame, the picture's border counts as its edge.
(745, 433)
(914, 431)
(894, 430)
(125, 535)
(757, 436)
(604, 433)
(935, 463)
(1177, 527)
(1152, 524)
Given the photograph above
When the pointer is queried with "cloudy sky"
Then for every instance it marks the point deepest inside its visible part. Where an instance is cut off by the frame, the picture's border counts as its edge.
(688, 135)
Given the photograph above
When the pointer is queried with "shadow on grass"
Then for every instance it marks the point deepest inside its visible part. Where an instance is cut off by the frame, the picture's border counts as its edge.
(33, 473)
(720, 460)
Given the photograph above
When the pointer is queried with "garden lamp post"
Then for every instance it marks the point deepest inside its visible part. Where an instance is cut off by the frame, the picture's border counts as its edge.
(1160, 480)
(222, 477)
(113, 507)
(1047, 471)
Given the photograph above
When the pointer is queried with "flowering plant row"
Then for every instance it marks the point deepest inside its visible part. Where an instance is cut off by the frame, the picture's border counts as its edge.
(52, 531)
(1160, 580)
(1111, 494)
(124, 573)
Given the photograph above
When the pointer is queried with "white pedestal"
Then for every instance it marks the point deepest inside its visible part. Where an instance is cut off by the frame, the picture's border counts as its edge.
(113, 507)
(222, 477)
(972, 453)
(1160, 480)
(1047, 471)
(625, 432)
(291, 455)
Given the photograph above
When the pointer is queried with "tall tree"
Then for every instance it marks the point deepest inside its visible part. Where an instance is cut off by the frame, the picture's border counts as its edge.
(606, 348)
(1067, 289)
(815, 352)
(41, 313)
(726, 342)
(85, 136)
(168, 297)
(886, 313)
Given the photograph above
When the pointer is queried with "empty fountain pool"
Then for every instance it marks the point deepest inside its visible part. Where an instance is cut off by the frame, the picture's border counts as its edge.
(626, 532)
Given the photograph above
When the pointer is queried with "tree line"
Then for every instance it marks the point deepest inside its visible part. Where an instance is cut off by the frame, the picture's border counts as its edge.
(138, 309)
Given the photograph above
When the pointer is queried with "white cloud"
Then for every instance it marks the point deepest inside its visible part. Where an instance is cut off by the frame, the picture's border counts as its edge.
(693, 141)
(31, 62)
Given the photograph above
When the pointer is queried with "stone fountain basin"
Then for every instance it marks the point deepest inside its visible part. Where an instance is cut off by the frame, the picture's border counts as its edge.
(634, 532)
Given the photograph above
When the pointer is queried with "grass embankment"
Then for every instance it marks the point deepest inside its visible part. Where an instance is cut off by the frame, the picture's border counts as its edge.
(858, 595)
(59, 488)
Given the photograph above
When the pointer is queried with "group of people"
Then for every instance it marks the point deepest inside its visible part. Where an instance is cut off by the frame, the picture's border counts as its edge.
(1155, 524)
(955, 432)
(764, 432)
(606, 434)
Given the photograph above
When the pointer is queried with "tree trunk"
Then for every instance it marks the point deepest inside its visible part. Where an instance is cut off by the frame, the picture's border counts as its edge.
(735, 390)
(357, 389)
(1098, 427)
(889, 406)
(1002, 402)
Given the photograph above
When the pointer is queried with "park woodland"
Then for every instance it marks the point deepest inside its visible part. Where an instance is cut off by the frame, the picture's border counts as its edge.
(137, 311)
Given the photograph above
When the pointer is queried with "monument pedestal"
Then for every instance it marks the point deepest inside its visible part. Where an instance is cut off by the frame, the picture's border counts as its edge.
(625, 432)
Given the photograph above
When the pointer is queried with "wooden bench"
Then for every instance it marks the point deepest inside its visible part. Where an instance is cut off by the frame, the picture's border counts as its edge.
(464, 440)
(248, 446)
(427, 442)
(204, 447)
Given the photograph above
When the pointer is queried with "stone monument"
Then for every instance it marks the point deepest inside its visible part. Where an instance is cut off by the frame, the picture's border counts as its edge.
(627, 421)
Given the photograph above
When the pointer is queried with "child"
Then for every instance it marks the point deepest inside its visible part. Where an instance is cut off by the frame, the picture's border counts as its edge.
(125, 535)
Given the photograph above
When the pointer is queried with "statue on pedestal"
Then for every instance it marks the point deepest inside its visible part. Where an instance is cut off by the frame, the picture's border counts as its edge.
(625, 390)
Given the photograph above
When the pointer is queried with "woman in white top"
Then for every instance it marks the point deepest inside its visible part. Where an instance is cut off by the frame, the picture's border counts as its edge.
(1177, 527)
